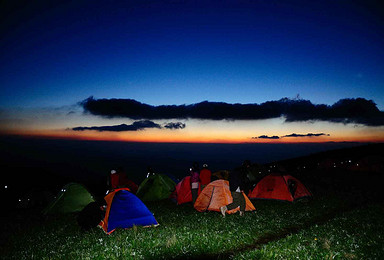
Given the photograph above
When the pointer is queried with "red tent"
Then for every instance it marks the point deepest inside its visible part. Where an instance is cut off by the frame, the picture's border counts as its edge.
(279, 187)
(183, 192)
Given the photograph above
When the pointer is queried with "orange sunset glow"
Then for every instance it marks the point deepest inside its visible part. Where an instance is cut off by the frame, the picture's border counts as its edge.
(220, 132)
(194, 74)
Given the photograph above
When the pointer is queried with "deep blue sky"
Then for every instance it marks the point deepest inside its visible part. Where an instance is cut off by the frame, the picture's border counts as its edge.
(177, 52)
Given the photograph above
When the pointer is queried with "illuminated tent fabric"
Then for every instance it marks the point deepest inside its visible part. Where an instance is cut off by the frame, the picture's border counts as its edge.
(183, 193)
(73, 197)
(217, 194)
(156, 187)
(279, 187)
(125, 210)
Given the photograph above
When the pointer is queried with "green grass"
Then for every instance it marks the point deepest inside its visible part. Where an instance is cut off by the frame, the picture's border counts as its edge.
(325, 228)
(356, 234)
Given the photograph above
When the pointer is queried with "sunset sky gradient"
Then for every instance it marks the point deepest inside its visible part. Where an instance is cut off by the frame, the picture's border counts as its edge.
(162, 53)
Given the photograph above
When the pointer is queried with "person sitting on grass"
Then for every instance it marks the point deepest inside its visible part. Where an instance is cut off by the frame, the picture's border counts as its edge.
(238, 182)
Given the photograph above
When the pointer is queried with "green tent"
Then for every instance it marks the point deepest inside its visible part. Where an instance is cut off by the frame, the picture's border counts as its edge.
(72, 198)
(156, 187)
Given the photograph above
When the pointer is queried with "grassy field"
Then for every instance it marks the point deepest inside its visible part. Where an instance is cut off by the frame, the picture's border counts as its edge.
(343, 221)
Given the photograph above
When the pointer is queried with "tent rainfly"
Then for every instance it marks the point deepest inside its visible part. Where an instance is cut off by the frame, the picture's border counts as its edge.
(125, 210)
(73, 197)
(217, 194)
(279, 187)
(156, 187)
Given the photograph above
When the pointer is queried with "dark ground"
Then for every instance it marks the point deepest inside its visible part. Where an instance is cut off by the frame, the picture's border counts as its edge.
(362, 186)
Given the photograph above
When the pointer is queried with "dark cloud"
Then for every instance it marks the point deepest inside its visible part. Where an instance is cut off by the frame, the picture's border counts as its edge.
(266, 137)
(176, 125)
(291, 135)
(306, 135)
(136, 126)
(358, 111)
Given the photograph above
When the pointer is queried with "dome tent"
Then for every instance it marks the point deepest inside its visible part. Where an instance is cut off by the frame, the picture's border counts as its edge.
(125, 210)
(279, 187)
(156, 187)
(183, 192)
(217, 194)
(73, 197)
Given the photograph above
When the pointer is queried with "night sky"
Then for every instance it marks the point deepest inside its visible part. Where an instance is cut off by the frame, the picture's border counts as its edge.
(193, 71)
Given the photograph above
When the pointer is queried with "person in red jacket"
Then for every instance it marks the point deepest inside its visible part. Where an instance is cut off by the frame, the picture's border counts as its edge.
(113, 180)
(194, 171)
(205, 176)
(125, 182)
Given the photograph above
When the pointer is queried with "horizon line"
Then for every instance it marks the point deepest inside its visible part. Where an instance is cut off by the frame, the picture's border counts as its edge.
(51, 137)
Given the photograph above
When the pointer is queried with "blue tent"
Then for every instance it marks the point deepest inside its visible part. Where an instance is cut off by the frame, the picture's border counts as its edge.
(125, 210)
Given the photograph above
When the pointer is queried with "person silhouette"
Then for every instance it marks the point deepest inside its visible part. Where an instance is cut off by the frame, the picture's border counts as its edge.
(194, 171)
(238, 182)
(205, 176)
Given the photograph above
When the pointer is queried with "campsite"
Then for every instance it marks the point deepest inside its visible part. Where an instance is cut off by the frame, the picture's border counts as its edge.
(192, 129)
(342, 220)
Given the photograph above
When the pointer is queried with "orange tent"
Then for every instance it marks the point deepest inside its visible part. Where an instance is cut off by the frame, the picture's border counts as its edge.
(279, 187)
(217, 194)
